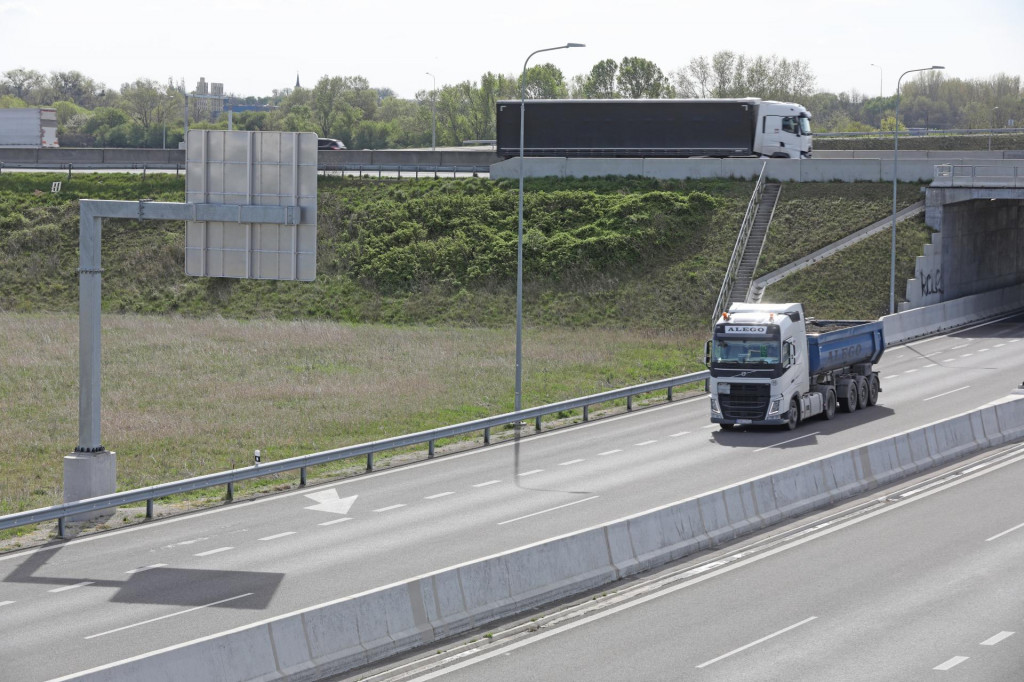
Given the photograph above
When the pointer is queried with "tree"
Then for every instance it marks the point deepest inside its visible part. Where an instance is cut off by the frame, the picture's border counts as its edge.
(143, 100)
(22, 83)
(599, 83)
(545, 81)
(722, 72)
(641, 78)
(75, 87)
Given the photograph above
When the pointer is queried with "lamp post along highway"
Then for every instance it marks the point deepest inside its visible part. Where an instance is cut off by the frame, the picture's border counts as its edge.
(433, 113)
(519, 241)
(895, 177)
(879, 78)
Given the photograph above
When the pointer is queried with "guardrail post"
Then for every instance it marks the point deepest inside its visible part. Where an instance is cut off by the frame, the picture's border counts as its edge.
(430, 450)
(537, 424)
(586, 413)
(60, 527)
(231, 491)
(487, 436)
(369, 462)
(670, 394)
(629, 403)
(302, 477)
(149, 508)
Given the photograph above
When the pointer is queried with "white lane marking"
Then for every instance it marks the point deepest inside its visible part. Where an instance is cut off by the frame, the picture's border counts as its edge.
(531, 472)
(5, 603)
(71, 587)
(279, 535)
(571, 461)
(646, 442)
(760, 641)
(996, 639)
(1013, 341)
(931, 365)
(169, 615)
(909, 371)
(328, 501)
(945, 394)
(334, 521)
(485, 483)
(434, 497)
(705, 567)
(984, 350)
(394, 506)
(953, 662)
(1005, 532)
(676, 435)
(806, 435)
(185, 542)
(962, 345)
(545, 511)
(892, 376)
(608, 452)
(1000, 345)
(709, 426)
(214, 551)
(145, 568)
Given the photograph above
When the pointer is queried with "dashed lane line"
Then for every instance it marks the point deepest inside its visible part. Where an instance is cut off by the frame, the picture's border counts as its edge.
(6, 603)
(275, 537)
(214, 551)
(996, 639)
(334, 521)
(71, 587)
(146, 568)
(486, 483)
(530, 473)
(608, 452)
(755, 643)
(676, 435)
(951, 663)
(438, 495)
(571, 461)
(385, 509)
(646, 442)
(945, 394)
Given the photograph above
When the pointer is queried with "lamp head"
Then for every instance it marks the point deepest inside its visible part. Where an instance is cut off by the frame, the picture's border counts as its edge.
(575, 45)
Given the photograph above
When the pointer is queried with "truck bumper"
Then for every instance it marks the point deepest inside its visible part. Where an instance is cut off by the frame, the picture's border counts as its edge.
(749, 422)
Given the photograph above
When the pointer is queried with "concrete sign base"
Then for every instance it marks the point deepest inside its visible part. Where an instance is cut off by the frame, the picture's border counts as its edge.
(90, 474)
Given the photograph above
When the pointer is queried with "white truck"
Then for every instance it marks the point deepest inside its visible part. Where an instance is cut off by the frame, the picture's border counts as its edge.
(28, 128)
(771, 365)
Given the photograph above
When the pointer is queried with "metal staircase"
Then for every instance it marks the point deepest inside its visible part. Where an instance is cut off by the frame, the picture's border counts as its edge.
(755, 243)
(749, 242)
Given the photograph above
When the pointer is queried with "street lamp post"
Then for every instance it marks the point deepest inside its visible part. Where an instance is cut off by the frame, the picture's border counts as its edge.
(994, 110)
(895, 177)
(433, 112)
(519, 242)
(879, 78)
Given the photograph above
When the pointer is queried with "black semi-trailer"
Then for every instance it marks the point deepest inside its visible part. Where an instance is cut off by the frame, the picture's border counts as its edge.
(655, 128)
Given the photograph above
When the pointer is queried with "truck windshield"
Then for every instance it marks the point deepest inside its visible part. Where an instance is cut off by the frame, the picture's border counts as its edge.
(745, 352)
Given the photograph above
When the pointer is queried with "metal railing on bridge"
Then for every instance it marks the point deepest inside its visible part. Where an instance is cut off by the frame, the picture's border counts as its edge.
(949, 175)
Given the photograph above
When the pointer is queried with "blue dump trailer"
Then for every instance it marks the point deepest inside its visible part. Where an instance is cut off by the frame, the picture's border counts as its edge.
(770, 365)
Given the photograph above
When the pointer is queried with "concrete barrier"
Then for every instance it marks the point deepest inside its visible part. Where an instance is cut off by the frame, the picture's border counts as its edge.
(927, 320)
(347, 633)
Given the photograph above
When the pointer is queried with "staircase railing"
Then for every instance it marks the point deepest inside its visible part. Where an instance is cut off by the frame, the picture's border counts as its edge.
(741, 245)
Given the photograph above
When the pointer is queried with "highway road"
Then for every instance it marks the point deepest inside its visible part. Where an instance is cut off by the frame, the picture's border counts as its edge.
(924, 586)
(124, 593)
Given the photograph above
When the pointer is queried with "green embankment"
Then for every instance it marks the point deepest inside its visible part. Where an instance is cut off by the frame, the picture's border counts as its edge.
(408, 325)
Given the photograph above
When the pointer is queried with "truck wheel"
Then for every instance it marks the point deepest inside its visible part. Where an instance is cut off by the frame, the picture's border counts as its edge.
(830, 405)
(862, 392)
(794, 415)
(873, 389)
(849, 399)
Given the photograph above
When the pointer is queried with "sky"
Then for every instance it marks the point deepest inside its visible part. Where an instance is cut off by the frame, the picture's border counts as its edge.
(256, 46)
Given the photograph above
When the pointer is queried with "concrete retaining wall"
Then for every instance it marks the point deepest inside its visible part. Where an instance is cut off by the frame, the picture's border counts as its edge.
(357, 630)
(918, 322)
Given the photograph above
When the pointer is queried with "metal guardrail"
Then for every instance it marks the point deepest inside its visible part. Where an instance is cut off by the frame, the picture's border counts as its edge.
(410, 170)
(741, 244)
(912, 132)
(368, 450)
(950, 175)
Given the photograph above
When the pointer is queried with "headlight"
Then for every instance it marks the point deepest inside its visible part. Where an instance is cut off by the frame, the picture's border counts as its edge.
(714, 406)
(774, 407)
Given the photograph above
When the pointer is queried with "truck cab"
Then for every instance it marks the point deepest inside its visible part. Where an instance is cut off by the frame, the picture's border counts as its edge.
(783, 131)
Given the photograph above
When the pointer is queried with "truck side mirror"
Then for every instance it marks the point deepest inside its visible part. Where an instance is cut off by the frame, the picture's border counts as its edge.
(707, 354)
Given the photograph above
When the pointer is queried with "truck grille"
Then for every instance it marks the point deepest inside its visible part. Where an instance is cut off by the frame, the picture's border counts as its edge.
(745, 401)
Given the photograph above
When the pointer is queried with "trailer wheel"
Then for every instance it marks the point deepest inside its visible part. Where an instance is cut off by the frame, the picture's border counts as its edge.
(849, 398)
(862, 392)
(794, 414)
(830, 405)
(873, 389)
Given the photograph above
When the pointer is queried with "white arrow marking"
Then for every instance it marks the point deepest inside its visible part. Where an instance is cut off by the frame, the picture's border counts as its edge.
(328, 501)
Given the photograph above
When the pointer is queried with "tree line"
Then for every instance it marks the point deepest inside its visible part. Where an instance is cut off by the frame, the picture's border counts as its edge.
(148, 113)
